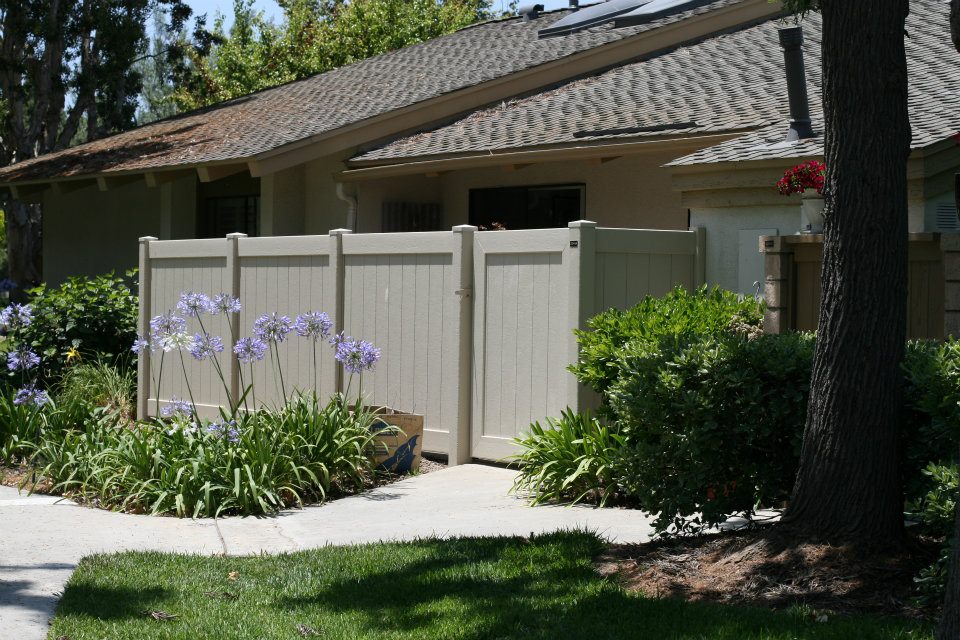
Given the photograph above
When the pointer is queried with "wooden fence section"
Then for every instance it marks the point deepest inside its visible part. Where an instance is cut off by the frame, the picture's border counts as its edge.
(792, 283)
(475, 329)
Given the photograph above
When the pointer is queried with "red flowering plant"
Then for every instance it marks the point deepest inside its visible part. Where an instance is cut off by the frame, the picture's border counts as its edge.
(807, 175)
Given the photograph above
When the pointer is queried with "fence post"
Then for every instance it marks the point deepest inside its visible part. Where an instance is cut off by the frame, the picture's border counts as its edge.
(233, 282)
(143, 328)
(700, 257)
(581, 254)
(950, 246)
(459, 444)
(337, 284)
(777, 283)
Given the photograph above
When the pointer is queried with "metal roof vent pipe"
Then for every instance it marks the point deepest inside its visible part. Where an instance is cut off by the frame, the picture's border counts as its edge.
(791, 39)
(530, 11)
(574, 5)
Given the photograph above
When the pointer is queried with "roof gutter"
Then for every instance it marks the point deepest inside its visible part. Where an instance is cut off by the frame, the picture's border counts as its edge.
(553, 154)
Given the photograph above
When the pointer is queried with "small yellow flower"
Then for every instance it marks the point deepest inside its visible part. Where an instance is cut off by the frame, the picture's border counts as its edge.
(72, 353)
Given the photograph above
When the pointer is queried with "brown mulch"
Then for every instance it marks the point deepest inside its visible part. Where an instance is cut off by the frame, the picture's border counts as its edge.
(762, 568)
(24, 477)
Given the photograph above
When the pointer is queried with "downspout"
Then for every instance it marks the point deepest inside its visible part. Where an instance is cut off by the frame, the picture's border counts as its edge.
(351, 201)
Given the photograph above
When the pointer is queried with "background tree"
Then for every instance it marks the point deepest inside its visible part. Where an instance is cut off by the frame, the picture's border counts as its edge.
(67, 74)
(313, 37)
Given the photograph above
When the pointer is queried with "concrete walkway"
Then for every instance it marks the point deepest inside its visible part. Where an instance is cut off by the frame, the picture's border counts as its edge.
(42, 539)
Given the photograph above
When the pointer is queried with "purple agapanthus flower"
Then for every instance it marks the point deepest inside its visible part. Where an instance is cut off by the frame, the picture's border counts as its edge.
(205, 346)
(139, 345)
(165, 325)
(225, 303)
(22, 359)
(175, 407)
(7, 285)
(31, 395)
(338, 338)
(16, 316)
(192, 303)
(221, 429)
(357, 356)
(250, 350)
(313, 324)
(272, 327)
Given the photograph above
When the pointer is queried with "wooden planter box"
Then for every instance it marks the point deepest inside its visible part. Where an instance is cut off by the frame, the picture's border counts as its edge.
(397, 450)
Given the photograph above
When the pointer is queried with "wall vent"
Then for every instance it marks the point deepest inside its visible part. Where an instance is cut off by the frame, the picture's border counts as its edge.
(947, 217)
(400, 217)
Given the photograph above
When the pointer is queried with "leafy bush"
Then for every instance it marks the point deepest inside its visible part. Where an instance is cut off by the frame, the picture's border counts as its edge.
(712, 426)
(260, 463)
(91, 387)
(569, 459)
(936, 515)
(679, 314)
(96, 317)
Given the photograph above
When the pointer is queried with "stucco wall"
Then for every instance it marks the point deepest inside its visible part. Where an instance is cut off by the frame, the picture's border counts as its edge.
(724, 240)
(322, 208)
(88, 232)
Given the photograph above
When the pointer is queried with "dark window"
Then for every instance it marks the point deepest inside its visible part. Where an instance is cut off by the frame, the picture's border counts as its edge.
(526, 207)
(233, 214)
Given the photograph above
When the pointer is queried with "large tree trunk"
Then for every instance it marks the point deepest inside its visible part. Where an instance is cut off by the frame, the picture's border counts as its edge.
(23, 246)
(848, 486)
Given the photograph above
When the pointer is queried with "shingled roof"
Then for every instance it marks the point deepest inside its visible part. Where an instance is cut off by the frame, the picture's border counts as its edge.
(725, 83)
(243, 128)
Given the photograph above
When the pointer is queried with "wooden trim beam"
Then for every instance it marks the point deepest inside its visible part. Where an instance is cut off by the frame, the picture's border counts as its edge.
(105, 183)
(30, 193)
(157, 178)
(218, 171)
(69, 186)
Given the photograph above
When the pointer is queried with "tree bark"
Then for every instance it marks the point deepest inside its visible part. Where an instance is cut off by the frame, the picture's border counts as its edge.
(848, 486)
(23, 246)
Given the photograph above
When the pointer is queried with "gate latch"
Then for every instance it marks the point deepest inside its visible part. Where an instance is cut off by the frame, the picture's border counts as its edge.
(464, 292)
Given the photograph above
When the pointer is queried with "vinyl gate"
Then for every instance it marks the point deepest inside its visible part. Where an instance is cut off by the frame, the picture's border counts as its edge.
(476, 328)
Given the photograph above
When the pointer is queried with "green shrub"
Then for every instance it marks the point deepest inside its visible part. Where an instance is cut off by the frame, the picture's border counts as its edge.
(91, 387)
(569, 459)
(679, 314)
(261, 463)
(936, 514)
(20, 427)
(97, 317)
(712, 425)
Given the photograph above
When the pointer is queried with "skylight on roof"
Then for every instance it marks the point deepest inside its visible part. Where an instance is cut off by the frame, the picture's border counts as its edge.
(656, 9)
(620, 12)
(590, 16)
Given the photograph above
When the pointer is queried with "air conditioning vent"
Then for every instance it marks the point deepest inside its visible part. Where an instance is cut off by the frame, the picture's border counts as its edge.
(947, 217)
(401, 217)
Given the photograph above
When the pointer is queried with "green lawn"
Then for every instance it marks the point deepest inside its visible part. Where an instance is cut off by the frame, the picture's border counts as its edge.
(470, 588)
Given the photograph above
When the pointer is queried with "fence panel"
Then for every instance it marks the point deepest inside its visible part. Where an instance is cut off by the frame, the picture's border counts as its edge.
(522, 334)
(178, 266)
(400, 294)
(289, 276)
(634, 263)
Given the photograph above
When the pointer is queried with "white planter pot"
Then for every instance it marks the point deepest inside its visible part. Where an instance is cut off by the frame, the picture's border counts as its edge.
(811, 213)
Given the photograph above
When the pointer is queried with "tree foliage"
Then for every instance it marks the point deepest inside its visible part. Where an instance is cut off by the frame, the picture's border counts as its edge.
(313, 37)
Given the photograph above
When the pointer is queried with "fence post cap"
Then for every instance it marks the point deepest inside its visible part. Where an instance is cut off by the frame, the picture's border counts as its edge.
(236, 235)
(148, 239)
(339, 232)
(464, 228)
(582, 224)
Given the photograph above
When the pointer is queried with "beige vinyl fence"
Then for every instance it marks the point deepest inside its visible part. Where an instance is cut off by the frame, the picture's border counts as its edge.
(475, 328)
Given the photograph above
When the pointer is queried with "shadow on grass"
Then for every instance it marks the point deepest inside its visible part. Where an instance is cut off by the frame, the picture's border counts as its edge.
(110, 603)
(542, 588)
